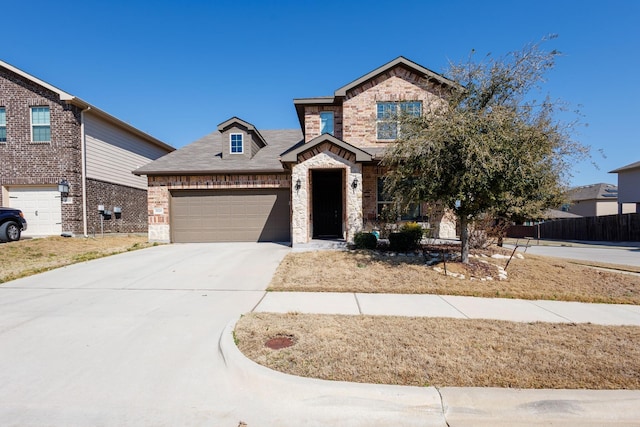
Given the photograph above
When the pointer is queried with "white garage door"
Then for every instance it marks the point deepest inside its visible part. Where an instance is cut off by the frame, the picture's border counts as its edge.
(41, 207)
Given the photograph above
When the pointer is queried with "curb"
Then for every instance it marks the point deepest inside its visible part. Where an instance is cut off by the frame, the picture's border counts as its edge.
(315, 402)
(311, 401)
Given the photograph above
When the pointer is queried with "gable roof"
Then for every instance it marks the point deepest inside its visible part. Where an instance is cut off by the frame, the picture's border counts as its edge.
(238, 121)
(292, 155)
(632, 166)
(341, 93)
(600, 191)
(204, 156)
(83, 105)
(399, 61)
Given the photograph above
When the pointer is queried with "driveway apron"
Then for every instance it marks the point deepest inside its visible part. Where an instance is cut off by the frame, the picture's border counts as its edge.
(130, 339)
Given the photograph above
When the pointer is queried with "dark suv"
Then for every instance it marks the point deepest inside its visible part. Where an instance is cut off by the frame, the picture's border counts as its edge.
(12, 223)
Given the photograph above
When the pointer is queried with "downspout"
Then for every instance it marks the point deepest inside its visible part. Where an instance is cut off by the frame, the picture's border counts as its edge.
(83, 155)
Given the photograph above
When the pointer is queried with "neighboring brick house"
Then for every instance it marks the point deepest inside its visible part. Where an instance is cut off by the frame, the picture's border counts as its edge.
(239, 183)
(48, 136)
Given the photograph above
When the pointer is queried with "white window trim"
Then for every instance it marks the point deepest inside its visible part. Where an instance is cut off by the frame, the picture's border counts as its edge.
(32, 125)
(231, 145)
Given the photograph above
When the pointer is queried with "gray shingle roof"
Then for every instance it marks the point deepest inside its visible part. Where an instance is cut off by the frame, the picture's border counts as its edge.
(205, 156)
(600, 191)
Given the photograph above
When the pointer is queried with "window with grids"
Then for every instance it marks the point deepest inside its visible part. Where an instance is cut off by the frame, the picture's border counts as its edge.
(236, 143)
(385, 202)
(326, 122)
(3, 124)
(40, 124)
(387, 116)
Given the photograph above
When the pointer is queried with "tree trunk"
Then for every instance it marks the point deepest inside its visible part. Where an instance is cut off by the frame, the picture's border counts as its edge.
(464, 238)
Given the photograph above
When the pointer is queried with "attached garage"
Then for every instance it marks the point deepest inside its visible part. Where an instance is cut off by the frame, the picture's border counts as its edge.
(242, 215)
(41, 207)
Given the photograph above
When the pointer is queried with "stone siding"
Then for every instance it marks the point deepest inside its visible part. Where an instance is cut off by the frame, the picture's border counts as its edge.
(159, 194)
(302, 222)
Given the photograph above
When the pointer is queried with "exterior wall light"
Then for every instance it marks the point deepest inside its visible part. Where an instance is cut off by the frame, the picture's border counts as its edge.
(354, 184)
(63, 187)
(298, 185)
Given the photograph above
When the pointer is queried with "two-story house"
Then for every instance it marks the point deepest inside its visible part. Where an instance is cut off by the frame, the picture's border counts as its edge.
(61, 158)
(323, 181)
(628, 188)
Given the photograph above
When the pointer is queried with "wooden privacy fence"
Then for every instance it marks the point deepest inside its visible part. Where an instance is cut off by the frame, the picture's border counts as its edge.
(612, 228)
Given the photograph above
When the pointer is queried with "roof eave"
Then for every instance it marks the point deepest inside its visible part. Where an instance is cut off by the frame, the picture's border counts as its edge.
(84, 105)
(139, 172)
(401, 60)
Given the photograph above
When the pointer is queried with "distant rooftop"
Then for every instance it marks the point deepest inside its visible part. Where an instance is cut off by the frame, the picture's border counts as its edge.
(600, 191)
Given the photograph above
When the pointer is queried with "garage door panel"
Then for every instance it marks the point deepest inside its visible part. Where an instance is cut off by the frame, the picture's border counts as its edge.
(230, 215)
(41, 207)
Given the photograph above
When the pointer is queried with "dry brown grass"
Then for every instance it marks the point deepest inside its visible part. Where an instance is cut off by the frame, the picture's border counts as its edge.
(31, 256)
(446, 352)
(534, 277)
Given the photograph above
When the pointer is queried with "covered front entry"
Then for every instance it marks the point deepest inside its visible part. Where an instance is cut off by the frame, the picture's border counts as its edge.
(248, 215)
(327, 198)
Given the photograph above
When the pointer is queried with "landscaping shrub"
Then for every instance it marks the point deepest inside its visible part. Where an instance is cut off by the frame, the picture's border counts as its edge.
(407, 239)
(414, 231)
(401, 242)
(363, 240)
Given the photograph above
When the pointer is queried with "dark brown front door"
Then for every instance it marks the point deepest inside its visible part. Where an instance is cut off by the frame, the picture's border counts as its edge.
(327, 202)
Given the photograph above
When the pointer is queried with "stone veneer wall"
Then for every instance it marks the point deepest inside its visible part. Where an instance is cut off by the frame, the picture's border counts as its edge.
(159, 194)
(301, 228)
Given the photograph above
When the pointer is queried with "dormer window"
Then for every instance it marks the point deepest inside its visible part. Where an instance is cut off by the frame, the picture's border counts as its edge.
(236, 143)
(388, 114)
(326, 122)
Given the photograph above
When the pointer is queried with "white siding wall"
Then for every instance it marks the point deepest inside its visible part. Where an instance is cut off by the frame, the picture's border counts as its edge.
(113, 153)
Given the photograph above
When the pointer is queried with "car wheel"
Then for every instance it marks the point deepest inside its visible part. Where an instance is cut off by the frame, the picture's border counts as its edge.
(9, 232)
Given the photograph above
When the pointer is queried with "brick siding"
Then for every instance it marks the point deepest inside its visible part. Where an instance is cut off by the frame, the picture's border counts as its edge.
(28, 163)
(133, 202)
(160, 187)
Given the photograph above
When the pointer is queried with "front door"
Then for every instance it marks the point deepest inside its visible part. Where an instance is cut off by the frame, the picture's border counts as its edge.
(327, 202)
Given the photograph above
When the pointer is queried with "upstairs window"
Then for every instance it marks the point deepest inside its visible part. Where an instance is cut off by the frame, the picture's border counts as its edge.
(3, 125)
(236, 141)
(326, 122)
(40, 124)
(388, 114)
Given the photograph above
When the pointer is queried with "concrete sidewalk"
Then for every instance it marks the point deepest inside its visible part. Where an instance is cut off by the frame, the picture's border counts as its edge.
(450, 306)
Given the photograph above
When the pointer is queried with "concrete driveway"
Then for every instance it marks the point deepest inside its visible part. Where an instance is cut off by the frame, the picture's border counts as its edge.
(130, 339)
(145, 339)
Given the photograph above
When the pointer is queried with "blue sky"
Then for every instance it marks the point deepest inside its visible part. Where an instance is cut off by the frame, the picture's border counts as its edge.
(178, 69)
